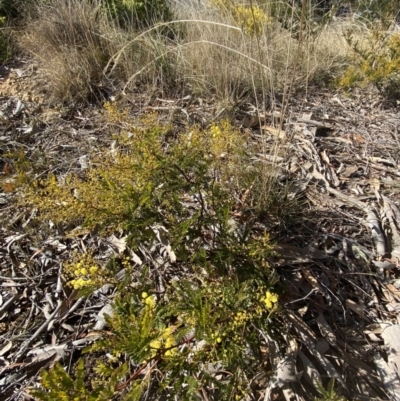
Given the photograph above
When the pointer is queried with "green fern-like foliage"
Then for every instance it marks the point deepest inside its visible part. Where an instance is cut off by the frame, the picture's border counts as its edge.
(59, 385)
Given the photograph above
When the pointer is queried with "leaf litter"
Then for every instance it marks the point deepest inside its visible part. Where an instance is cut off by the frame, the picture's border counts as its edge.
(339, 259)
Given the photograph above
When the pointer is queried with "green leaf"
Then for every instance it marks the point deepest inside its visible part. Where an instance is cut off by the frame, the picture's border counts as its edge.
(135, 393)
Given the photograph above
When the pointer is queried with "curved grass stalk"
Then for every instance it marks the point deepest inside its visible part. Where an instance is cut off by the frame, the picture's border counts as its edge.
(117, 55)
(193, 43)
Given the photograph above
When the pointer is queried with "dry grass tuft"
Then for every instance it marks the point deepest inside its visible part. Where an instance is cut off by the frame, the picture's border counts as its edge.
(86, 54)
(71, 41)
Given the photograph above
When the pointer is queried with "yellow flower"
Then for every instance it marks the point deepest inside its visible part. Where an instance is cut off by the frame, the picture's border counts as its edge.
(150, 301)
(144, 295)
(93, 269)
(169, 342)
(156, 344)
(170, 352)
(168, 331)
(270, 299)
(216, 131)
(83, 271)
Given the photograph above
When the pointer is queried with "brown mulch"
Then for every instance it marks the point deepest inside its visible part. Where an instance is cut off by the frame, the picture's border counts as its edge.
(338, 235)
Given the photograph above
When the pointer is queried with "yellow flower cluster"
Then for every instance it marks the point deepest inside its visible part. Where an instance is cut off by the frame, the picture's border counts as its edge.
(165, 341)
(270, 300)
(240, 319)
(216, 338)
(223, 138)
(148, 300)
(80, 283)
(84, 276)
(252, 19)
(215, 131)
(83, 272)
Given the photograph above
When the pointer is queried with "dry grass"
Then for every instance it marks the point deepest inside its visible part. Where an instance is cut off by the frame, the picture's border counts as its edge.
(74, 41)
(68, 38)
(223, 59)
(85, 54)
(328, 54)
(218, 57)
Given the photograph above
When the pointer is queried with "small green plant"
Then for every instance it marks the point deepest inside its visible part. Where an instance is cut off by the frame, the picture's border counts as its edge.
(197, 327)
(59, 385)
(329, 393)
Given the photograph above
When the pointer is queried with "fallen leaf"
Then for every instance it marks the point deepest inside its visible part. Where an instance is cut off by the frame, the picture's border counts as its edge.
(326, 330)
(119, 243)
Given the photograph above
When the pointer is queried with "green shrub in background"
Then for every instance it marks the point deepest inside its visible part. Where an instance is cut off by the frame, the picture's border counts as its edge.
(252, 19)
(137, 13)
(376, 61)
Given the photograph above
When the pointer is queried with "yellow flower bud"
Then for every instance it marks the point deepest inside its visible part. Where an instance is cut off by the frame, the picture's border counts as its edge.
(93, 269)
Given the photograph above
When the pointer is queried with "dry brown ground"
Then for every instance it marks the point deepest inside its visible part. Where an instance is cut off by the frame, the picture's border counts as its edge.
(339, 239)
